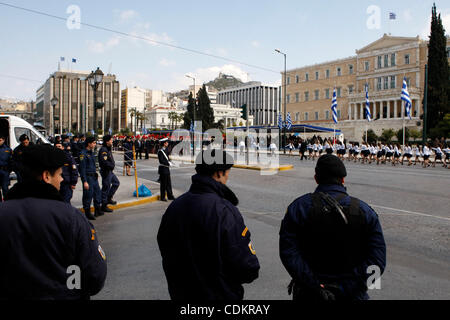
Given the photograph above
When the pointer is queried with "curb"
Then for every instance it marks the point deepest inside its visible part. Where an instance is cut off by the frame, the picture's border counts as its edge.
(129, 203)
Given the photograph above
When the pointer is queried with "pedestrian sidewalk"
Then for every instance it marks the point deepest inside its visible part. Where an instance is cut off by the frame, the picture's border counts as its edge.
(124, 195)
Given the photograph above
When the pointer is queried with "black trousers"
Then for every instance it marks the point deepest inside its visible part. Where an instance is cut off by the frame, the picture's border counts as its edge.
(165, 186)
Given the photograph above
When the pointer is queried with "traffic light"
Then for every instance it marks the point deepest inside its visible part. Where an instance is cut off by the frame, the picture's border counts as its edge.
(244, 112)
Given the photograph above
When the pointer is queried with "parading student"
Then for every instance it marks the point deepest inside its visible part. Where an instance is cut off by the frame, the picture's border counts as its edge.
(355, 151)
(437, 154)
(397, 154)
(373, 152)
(408, 154)
(426, 155)
(389, 153)
(447, 157)
(380, 154)
(417, 154)
(365, 152)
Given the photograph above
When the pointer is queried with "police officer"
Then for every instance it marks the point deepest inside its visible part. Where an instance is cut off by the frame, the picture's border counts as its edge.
(69, 174)
(89, 177)
(75, 148)
(17, 155)
(164, 172)
(205, 246)
(5, 165)
(127, 155)
(110, 183)
(329, 239)
(45, 243)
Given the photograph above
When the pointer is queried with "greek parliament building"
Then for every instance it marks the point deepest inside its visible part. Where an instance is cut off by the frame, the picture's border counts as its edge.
(262, 100)
(74, 111)
(381, 65)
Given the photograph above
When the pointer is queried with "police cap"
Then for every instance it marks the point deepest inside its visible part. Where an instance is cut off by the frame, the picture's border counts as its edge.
(23, 137)
(330, 169)
(40, 158)
(210, 161)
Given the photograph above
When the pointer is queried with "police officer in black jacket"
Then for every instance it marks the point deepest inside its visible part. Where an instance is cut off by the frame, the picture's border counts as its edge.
(76, 148)
(48, 250)
(205, 246)
(110, 183)
(5, 166)
(17, 155)
(69, 174)
(328, 240)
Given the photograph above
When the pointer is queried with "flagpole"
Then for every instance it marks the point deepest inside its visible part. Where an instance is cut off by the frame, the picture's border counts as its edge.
(403, 111)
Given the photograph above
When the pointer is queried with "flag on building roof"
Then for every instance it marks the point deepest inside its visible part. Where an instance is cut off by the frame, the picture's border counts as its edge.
(280, 122)
(405, 97)
(392, 16)
(367, 108)
(334, 106)
(74, 60)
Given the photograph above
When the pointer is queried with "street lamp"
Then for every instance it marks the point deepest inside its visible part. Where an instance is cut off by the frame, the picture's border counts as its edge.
(94, 80)
(193, 95)
(53, 102)
(285, 101)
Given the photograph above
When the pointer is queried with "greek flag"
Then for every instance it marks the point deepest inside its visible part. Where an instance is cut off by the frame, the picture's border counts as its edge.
(406, 98)
(334, 106)
(62, 59)
(74, 60)
(367, 108)
(191, 129)
(288, 121)
(280, 122)
(392, 16)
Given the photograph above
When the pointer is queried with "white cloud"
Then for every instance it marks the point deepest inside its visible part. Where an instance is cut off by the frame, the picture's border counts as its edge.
(101, 47)
(166, 63)
(445, 16)
(127, 15)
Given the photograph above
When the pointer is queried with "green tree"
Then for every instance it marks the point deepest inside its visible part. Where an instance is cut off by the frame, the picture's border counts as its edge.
(415, 134)
(442, 129)
(133, 114)
(438, 73)
(387, 135)
(399, 135)
(205, 112)
(371, 136)
(189, 114)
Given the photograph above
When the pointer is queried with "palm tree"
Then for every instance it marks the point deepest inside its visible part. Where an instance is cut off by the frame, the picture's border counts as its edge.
(133, 113)
(179, 118)
(141, 118)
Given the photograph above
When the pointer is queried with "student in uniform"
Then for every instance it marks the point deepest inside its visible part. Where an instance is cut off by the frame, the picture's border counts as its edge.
(356, 152)
(447, 157)
(437, 154)
(310, 149)
(389, 153)
(426, 155)
(408, 154)
(416, 150)
(365, 152)
(397, 154)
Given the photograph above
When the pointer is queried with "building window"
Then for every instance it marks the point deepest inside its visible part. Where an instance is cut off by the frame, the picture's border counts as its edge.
(297, 79)
(317, 75)
(316, 94)
(366, 65)
(406, 58)
(297, 97)
(338, 114)
(393, 82)
(393, 60)
(327, 115)
(338, 92)
(306, 96)
(350, 89)
(339, 72)
(386, 83)
(306, 77)
(297, 116)
(288, 98)
(350, 69)
(162, 119)
(306, 116)
(288, 80)
(316, 115)
(379, 84)
(327, 93)
(327, 74)
(379, 62)
(386, 61)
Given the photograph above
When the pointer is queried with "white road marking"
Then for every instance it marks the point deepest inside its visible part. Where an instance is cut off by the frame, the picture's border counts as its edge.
(410, 212)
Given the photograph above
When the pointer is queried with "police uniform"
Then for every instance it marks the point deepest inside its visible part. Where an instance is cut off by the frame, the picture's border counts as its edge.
(70, 176)
(327, 251)
(110, 183)
(88, 173)
(164, 175)
(205, 245)
(76, 149)
(17, 158)
(5, 167)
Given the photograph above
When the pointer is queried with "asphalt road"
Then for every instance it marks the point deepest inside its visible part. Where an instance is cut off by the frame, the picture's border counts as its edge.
(413, 204)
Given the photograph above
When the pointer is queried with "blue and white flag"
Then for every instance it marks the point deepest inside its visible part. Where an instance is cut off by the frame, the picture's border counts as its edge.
(367, 108)
(74, 60)
(62, 59)
(405, 97)
(288, 121)
(280, 122)
(392, 16)
(334, 106)
(191, 129)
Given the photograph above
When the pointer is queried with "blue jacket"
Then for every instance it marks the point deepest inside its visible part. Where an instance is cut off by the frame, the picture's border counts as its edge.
(292, 246)
(87, 164)
(41, 237)
(106, 160)
(5, 157)
(205, 246)
(70, 171)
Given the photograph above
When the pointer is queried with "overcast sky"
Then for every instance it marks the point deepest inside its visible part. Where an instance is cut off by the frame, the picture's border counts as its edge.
(246, 31)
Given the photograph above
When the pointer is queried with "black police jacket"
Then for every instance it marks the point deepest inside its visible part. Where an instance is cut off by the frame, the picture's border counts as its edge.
(70, 171)
(41, 240)
(106, 160)
(205, 246)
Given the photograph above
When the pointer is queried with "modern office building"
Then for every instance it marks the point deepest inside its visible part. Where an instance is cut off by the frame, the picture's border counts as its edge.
(74, 111)
(262, 100)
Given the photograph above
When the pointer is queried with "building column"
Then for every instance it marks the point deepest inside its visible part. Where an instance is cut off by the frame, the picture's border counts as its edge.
(349, 111)
(395, 109)
(361, 117)
(70, 106)
(61, 104)
(418, 108)
(78, 105)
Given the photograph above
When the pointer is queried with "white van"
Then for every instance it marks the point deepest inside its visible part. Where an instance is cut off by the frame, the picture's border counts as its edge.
(13, 127)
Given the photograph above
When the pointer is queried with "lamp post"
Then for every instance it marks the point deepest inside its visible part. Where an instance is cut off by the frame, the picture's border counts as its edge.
(285, 101)
(195, 100)
(53, 102)
(94, 79)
